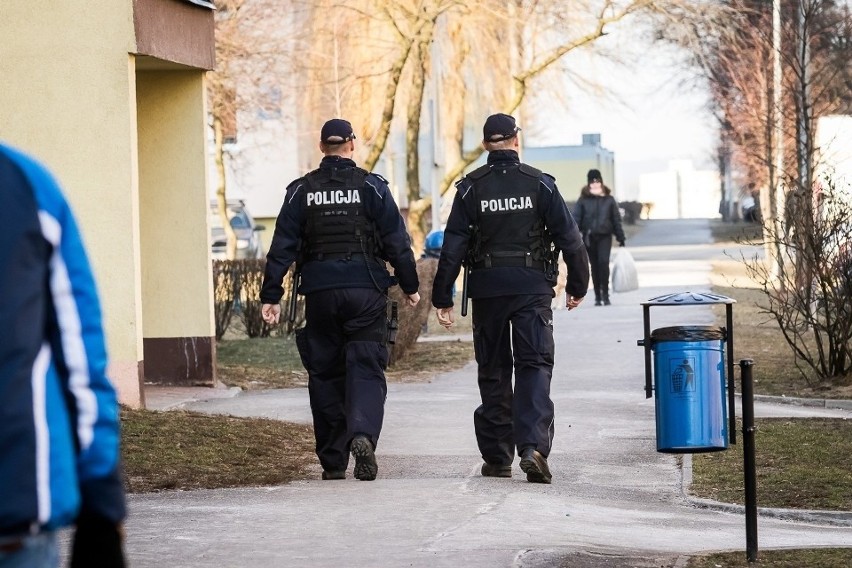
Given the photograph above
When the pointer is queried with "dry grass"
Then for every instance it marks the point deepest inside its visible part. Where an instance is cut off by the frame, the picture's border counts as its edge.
(188, 450)
(260, 363)
(803, 558)
(804, 463)
(429, 358)
(273, 362)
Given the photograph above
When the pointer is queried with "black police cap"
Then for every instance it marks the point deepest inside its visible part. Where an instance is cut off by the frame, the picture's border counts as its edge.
(336, 131)
(499, 127)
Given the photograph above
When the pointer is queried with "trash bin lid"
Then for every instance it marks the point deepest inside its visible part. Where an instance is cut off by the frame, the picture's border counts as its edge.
(688, 299)
(688, 333)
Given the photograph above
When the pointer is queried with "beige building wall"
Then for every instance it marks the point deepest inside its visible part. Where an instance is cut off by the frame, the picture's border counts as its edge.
(70, 100)
(176, 282)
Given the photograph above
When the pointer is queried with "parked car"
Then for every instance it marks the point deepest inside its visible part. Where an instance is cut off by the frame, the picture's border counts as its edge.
(248, 240)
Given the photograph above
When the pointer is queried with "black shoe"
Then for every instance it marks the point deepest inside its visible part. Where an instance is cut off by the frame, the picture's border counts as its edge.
(607, 302)
(597, 302)
(366, 467)
(328, 475)
(535, 466)
(496, 470)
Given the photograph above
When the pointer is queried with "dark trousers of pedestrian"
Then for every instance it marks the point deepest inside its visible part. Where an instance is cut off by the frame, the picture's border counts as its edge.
(345, 356)
(513, 333)
(599, 249)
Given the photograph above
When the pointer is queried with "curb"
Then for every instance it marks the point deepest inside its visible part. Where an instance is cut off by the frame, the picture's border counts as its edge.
(179, 398)
(835, 404)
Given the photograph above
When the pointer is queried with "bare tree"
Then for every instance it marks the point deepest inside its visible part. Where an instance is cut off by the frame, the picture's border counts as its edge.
(250, 53)
(803, 227)
(221, 85)
(815, 319)
(523, 41)
(495, 50)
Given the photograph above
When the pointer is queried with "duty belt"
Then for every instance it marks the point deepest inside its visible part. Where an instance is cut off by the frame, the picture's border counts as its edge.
(513, 258)
(340, 256)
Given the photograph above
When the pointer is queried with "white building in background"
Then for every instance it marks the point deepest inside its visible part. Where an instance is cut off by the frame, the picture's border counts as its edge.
(834, 151)
(680, 192)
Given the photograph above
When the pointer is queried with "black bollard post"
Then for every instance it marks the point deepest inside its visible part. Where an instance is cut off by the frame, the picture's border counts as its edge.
(749, 470)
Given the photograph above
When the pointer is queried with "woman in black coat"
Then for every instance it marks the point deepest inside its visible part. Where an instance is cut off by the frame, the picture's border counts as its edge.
(599, 219)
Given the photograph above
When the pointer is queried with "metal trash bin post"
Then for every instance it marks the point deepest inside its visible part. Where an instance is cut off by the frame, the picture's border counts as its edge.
(691, 365)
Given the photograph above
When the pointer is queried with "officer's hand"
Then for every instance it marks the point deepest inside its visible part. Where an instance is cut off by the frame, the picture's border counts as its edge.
(445, 317)
(572, 302)
(622, 243)
(271, 313)
(413, 299)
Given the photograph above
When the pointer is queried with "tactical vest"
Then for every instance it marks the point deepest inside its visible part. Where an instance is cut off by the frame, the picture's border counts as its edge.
(509, 229)
(336, 224)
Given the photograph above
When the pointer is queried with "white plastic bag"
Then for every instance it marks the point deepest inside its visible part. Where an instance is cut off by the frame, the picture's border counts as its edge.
(624, 276)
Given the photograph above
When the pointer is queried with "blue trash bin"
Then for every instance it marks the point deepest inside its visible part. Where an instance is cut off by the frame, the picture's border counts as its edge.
(690, 389)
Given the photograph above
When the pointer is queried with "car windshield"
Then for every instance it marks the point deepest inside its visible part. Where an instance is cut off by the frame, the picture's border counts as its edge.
(238, 217)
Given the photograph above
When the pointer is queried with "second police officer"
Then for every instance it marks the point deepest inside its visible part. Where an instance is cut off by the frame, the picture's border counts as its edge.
(340, 223)
(508, 222)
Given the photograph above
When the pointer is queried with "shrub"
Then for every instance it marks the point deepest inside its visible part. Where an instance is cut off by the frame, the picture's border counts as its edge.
(808, 284)
(237, 285)
(225, 292)
(411, 320)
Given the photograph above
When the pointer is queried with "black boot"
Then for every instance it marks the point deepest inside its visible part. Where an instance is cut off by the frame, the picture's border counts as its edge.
(597, 297)
(605, 295)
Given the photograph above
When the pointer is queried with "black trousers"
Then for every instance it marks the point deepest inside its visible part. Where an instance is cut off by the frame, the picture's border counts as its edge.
(599, 250)
(346, 379)
(513, 333)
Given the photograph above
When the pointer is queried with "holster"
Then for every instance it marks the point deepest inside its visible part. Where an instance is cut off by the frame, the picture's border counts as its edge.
(382, 330)
(393, 322)
(303, 347)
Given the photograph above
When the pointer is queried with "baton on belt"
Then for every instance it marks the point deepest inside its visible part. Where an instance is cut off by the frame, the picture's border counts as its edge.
(297, 275)
(464, 289)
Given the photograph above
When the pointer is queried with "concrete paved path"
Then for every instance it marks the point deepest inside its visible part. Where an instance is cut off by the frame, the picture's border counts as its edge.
(614, 500)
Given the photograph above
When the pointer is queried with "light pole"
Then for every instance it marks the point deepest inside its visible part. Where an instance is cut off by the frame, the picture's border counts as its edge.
(778, 141)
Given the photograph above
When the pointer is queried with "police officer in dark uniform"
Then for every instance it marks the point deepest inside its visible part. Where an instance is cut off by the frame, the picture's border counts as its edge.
(340, 223)
(507, 224)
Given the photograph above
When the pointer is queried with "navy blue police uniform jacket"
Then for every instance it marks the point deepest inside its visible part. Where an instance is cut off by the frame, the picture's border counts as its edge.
(509, 280)
(320, 275)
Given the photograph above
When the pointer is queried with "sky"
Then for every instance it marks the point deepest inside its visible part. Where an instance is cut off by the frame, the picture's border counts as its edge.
(654, 112)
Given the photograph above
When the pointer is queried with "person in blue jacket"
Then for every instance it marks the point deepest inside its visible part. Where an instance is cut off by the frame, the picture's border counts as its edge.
(59, 436)
(340, 224)
(433, 243)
